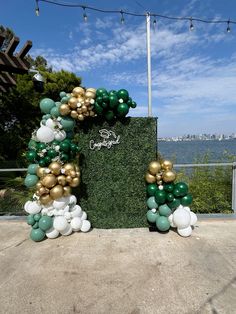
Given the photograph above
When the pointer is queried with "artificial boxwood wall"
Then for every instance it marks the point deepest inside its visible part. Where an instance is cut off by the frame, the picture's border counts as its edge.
(113, 189)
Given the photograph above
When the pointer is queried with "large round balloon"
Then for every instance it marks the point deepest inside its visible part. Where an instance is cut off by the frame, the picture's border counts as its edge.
(45, 223)
(162, 223)
(160, 196)
(152, 216)
(151, 189)
(37, 235)
(182, 188)
(122, 109)
(46, 105)
(151, 202)
(31, 180)
(164, 210)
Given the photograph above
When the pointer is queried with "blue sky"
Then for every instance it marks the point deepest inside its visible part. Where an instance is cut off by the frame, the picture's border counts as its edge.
(193, 73)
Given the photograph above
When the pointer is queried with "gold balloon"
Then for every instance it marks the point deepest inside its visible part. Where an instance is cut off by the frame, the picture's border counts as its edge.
(86, 114)
(74, 182)
(49, 180)
(68, 167)
(77, 91)
(79, 110)
(154, 167)
(77, 174)
(41, 172)
(77, 168)
(64, 109)
(56, 192)
(167, 165)
(84, 108)
(67, 190)
(90, 94)
(61, 180)
(150, 178)
(158, 177)
(42, 191)
(69, 179)
(72, 173)
(91, 89)
(92, 114)
(73, 102)
(45, 199)
(38, 185)
(168, 176)
(74, 114)
(80, 117)
(80, 99)
(55, 167)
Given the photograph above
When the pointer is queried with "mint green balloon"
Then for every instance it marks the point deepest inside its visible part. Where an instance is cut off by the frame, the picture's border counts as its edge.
(67, 123)
(30, 220)
(55, 112)
(164, 210)
(162, 223)
(151, 203)
(31, 180)
(45, 223)
(151, 216)
(37, 217)
(32, 168)
(65, 99)
(37, 235)
(62, 94)
(46, 105)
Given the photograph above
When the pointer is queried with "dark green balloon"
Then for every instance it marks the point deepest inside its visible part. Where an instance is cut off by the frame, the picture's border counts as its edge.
(151, 216)
(65, 146)
(98, 108)
(33, 144)
(122, 110)
(162, 223)
(113, 101)
(112, 92)
(151, 189)
(174, 204)
(31, 155)
(169, 197)
(30, 220)
(123, 94)
(177, 192)
(105, 98)
(52, 153)
(160, 196)
(186, 200)
(47, 160)
(42, 162)
(99, 100)
(169, 187)
(41, 146)
(73, 147)
(129, 102)
(182, 188)
(164, 210)
(55, 143)
(104, 105)
(100, 91)
(37, 235)
(64, 157)
(45, 223)
(133, 104)
(109, 115)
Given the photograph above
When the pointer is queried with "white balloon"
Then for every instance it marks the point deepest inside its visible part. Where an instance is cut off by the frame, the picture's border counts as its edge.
(76, 224)
(185, 232)
(33, 208)
(67, 215)
(67, 231)
(45, 134)
(66, 209)
(50, 124)
(59, 135)
(73, 200)
(187, 208)
(52, 233)
(181, 218)
(86, 225)
(26, 205)
(60, 223)
(44, 211)
(76, 211)
(170, 218)
(193, 218)
(83, 216)
(61, 202)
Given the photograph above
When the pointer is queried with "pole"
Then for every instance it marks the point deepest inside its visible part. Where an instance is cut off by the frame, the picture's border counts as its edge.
(234, 188)
(149, 79)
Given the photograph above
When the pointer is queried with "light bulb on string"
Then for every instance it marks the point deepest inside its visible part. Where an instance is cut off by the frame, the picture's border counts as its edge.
(122, 19)
(85, 15)
(228, 30)
(191, 27)
(37, 8)
(154, 24)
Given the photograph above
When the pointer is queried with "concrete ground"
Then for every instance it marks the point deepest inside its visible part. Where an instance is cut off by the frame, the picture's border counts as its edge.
(119, 271)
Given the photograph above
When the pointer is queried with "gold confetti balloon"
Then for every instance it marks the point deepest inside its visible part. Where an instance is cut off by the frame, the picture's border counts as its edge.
(154, 167)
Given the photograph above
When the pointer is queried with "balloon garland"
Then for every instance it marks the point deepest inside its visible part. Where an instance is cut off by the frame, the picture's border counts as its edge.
(168, 202)
(54, 211)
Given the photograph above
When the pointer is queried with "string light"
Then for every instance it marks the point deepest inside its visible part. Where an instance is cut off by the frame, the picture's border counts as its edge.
(85, 15)
(154, 24)
(37, 8)
(191, 27)
(155, 15)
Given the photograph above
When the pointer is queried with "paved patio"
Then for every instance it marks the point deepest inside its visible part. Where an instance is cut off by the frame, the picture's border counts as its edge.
(119, 271)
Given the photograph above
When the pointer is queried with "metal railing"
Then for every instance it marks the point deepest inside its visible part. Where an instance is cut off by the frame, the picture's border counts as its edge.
(224, 164)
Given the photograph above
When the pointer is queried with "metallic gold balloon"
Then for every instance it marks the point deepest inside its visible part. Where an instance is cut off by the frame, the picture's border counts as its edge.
(45, 199)
(84, 108)
(90, 94)
(41, 171)
(79, 110)
(74, 114)
(167, 165)
(67, 190)
(77, 91)
(55, 167)
(77, 168)
(80, 100)
(154, 167)
(49, 180)
(91, 89)
(38, 185)
(72, 173)
(61, 180)
(73, 102)
(77, 174)
(158, 177)
(150, 178)
(86, 114)
(69, 179)
(56, 192)
(80, 117)
(64, 109)
(42, 191)
(75, 182)
(92, 114)
(68, 167)
(168, 176)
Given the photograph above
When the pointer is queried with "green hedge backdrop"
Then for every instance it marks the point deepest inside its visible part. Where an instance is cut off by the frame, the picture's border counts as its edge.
(113, 189)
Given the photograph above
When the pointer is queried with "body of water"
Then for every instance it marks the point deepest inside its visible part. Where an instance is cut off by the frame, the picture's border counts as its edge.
(192, 151)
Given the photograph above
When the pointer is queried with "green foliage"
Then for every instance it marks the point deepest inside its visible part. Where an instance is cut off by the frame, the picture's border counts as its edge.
(113, 189)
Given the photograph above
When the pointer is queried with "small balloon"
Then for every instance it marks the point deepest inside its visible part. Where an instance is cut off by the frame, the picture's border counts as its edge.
(154, 167)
